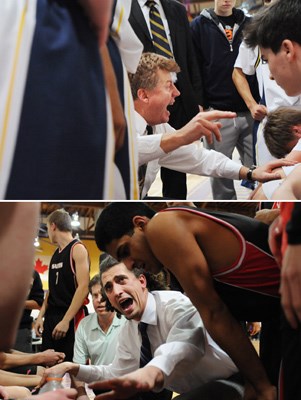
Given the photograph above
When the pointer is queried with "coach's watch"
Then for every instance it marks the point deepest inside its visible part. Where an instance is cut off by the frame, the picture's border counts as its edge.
(250, 173)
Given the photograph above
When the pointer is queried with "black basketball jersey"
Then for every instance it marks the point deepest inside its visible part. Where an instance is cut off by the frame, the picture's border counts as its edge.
(61, 277)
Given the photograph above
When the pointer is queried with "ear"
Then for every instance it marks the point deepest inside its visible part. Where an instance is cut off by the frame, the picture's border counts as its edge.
(142, 95)
(140, 222)
(289, 48)
(142, 280)
(296, 129)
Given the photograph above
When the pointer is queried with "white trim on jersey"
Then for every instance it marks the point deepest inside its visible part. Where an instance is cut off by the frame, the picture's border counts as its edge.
(130, 49)
(17, 25)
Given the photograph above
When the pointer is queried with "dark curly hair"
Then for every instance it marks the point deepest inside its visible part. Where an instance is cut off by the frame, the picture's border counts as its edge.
(116, 220)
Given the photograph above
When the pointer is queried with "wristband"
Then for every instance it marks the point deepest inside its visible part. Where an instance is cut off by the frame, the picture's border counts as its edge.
(250, 173)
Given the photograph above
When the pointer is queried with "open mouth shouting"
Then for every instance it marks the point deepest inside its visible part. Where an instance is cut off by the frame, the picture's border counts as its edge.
(126, 305)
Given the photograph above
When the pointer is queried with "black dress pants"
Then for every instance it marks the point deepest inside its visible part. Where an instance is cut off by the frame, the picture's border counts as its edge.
(173, 184)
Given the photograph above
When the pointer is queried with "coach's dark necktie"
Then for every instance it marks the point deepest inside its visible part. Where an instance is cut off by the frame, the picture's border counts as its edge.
(142, 168)
(145, 350)
(145, 357)
(160, 40)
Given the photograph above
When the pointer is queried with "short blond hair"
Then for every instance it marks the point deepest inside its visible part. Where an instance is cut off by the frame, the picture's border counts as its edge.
(146, 76)
(61, 219)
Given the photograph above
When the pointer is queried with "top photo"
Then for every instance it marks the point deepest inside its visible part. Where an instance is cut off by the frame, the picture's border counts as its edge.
(150, 100)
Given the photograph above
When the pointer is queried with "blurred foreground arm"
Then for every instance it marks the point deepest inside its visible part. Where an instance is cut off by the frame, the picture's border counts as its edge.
(100, 14)
(19, 226)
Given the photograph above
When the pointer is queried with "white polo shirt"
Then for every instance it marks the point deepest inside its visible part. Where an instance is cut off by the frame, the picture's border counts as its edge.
(91, 342)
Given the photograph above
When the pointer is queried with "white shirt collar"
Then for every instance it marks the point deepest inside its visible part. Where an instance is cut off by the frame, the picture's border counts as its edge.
(142, 3)
(150, 312)
(140, 124)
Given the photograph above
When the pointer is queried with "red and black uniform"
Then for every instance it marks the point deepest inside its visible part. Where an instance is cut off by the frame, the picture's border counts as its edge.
(291, 338)
(255, 268)
(250, 286)
(62, 286)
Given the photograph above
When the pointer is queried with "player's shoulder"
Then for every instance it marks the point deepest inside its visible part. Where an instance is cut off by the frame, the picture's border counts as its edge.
(163, 216)
(79, 248)
(166, 220)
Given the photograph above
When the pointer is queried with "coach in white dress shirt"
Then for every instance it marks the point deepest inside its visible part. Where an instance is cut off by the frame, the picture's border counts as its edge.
(185, 357)
(153, 91)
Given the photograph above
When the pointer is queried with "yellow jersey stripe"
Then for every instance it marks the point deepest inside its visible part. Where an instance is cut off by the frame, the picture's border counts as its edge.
(131, 143)
(12, 82)
(258, 59)
(120, 20)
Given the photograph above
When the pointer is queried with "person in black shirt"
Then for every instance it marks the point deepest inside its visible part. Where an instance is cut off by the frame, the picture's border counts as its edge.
(34, 301)
(68, 282)
(23, 342)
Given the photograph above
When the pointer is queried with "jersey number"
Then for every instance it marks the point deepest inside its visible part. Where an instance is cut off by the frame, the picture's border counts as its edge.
(57, 277)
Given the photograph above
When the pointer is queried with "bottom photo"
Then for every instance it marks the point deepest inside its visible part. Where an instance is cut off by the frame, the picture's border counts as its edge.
(150, 300)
